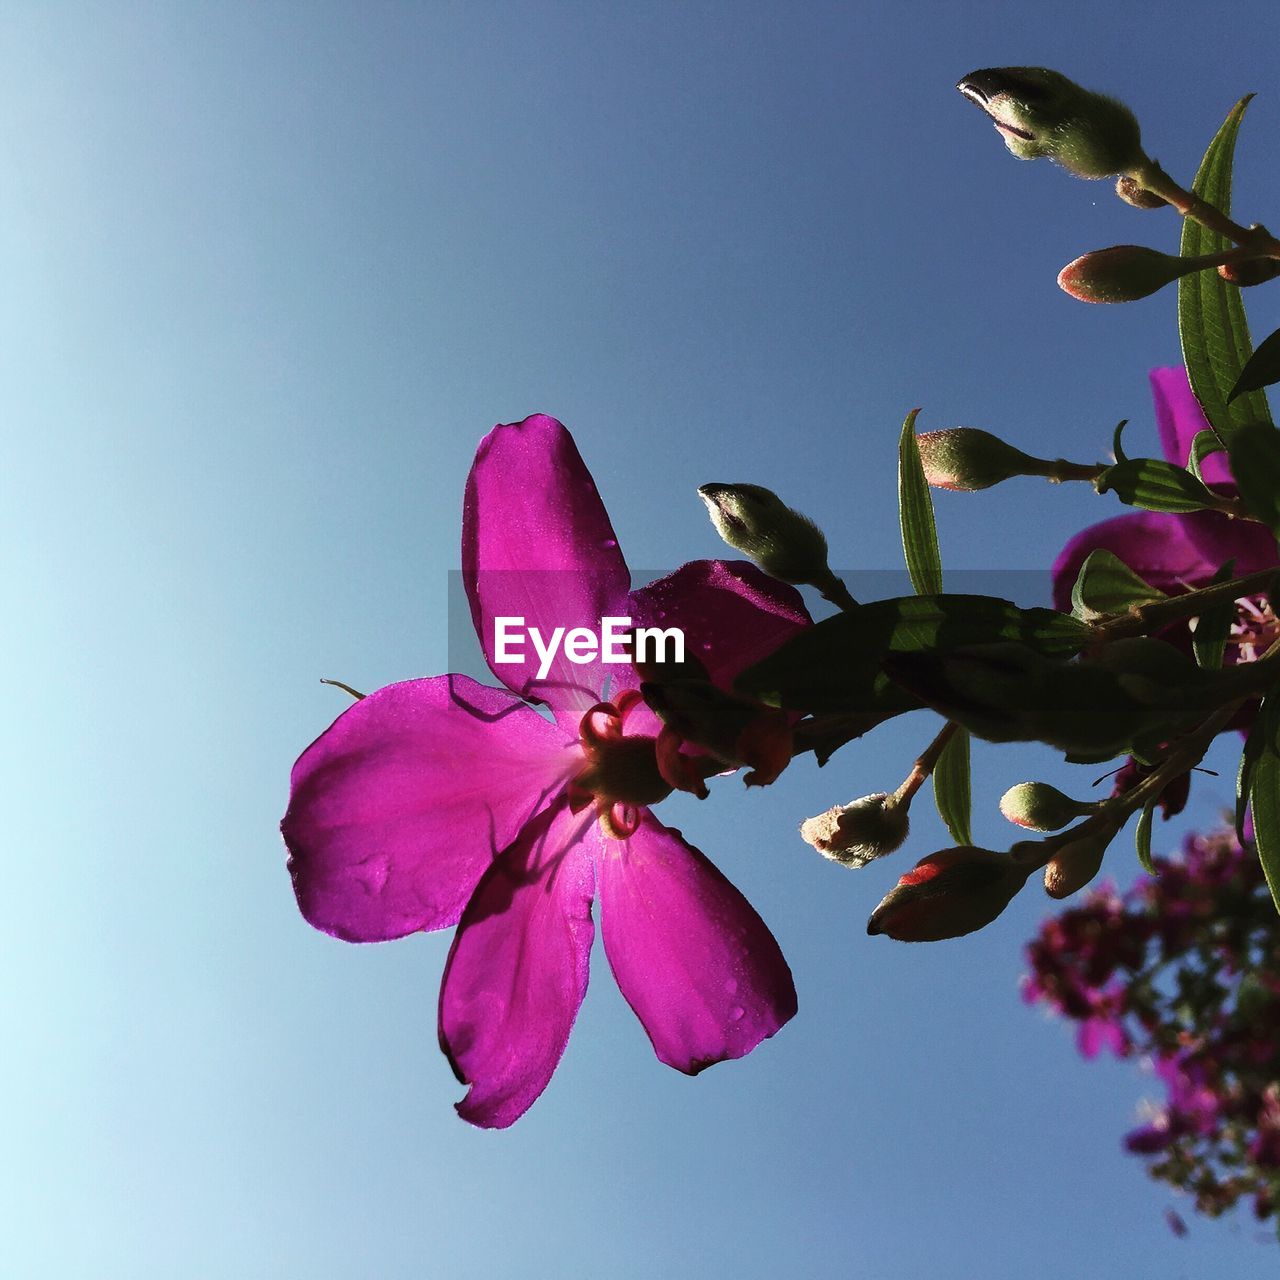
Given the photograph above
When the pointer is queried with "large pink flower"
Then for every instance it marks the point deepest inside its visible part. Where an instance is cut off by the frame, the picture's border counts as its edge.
(442, 801)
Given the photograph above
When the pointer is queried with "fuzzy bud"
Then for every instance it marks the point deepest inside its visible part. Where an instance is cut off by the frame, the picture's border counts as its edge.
(1039, 112)
(1040, 807)
(1133, 192)
(948, 894)
(1123, 273)
(857, 833)
(1075, 864)
(969, 459)
(755, 521)
(1247, 274)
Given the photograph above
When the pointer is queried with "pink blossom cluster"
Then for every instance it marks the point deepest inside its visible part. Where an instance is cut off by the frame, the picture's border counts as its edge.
(1183, 970)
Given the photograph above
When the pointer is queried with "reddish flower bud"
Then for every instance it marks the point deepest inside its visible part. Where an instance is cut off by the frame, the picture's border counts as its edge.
(1074, 865)
(1247, 274)
(1123, 273)
(1134, 193)
(948, 894)
(1040, 807)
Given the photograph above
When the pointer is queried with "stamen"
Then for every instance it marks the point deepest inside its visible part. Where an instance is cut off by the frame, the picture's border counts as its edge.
(602, 723)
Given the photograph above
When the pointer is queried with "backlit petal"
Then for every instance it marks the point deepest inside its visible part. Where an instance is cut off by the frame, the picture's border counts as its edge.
(517, 971)
(693, 959)
(396, 810)
(537, 545)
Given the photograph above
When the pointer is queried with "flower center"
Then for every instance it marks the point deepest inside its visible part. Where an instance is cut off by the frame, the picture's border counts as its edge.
(1256, 627)
(620, 774)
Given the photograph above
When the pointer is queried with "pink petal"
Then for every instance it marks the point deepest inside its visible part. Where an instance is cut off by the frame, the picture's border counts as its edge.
(1157, 547)
(731, 613)
(1218, 538)
(517, 971)
(537, 545)
(699, 967)
(1180, 419)
(396, 810)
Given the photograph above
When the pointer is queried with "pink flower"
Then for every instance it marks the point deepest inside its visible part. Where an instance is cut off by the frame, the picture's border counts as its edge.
(1172, 552)
(1178, 553)
(442, 801)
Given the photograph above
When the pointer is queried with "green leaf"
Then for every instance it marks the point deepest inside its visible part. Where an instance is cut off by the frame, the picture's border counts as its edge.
(1244, 775)
(915, 508)
(835, 665)
(952, 793)
(952, 789)
(1106, 586)
(1209, 639)
(1116, 446)
(1264, 794)
(1202, 445)
(1262, 368)
(1142, 838)
(1156, 485)
(1211, 321)
(1255, 463)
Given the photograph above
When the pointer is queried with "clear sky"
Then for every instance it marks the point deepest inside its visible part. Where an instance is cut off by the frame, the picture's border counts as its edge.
(270, 272)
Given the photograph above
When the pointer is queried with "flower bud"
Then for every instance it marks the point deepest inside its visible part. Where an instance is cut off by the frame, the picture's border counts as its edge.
(1247, 274)
(969, 459)
(755, 521)
(948, 894)
(857, 833)
(1075, 864)
(1041, 113)
(1123, 273)
(1133, 192)
(1040, 807)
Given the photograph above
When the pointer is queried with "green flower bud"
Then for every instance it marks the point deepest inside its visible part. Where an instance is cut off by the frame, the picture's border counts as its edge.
(857, 833)
(1123, 273)
(1133, 192)
(1040, 807)
(1247, 274)
(948, 894)
(755, 521)
(1075, 864)
(1039, 112)
(969, 459)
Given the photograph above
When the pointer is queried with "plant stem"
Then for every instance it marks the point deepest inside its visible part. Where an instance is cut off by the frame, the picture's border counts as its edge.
(834, 590)
(1142, 619)
(1258, 239)
(925, 763)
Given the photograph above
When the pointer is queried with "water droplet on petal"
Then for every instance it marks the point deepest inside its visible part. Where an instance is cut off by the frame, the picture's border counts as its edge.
(736, 1013)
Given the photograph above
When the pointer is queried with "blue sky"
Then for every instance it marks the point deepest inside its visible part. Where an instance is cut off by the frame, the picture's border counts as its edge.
(271, 272)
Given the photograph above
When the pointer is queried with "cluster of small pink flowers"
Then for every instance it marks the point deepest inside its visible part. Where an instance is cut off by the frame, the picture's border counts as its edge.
(1183, 970)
